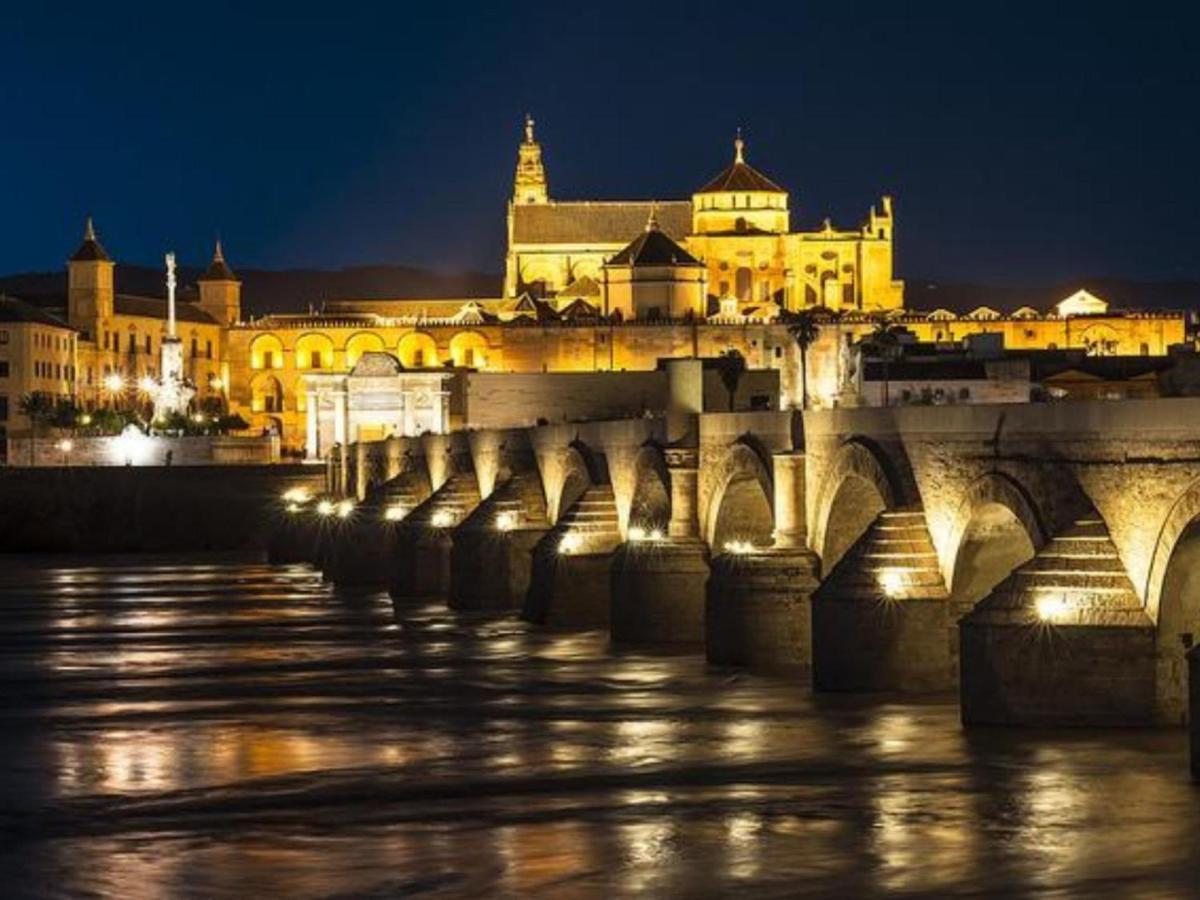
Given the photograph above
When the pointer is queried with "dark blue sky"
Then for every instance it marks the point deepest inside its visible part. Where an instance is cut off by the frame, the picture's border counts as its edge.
(1023, 142)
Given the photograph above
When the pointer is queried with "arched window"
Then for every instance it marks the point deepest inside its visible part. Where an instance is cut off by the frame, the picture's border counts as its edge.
(363, 342)
(266, 352)
(314, 351)
(417, 350)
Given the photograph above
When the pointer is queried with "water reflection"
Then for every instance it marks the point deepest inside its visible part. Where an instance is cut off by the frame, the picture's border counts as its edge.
(239, 730)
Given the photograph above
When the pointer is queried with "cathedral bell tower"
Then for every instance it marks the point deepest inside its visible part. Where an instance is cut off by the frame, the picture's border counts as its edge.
(529, 186)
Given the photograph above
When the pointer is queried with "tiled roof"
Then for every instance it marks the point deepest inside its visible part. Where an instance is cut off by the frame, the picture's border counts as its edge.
(588, 222)
(15, 310)
(654, 248)
(741, 176)
(155, 308)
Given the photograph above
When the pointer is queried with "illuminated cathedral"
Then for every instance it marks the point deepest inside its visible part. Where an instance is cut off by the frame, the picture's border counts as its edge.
(589, 286)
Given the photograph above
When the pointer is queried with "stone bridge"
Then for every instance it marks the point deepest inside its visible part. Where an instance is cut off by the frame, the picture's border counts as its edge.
(1040, 557)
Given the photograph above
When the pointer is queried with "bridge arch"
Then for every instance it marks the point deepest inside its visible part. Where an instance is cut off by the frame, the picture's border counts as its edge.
(650, 502)
(858, 486)
(576, 468)
(1173, 600)
(741, 507)
(995, 529)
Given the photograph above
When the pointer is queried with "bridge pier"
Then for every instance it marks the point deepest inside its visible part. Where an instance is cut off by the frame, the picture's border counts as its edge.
(294, 538)
(881, 619)
(658, 586)
(423, 541)
(1063, 640)
(491, 562)
(758, 611)
(571, 584)
(658, 592)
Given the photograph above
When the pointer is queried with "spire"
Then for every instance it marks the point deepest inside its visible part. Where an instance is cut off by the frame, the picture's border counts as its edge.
(529, 129)
(218, 269)
(739, 147)
(90, 250)
(652, 219)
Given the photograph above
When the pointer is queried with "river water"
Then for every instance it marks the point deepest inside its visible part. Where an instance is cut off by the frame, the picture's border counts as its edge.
(234, 729)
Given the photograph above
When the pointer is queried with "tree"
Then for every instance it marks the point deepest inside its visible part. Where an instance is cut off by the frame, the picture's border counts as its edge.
(38, 407)
(803, 328)
(885, 339)
(732, 366)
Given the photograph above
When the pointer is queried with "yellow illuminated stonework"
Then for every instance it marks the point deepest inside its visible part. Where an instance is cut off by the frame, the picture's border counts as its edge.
(590, 286)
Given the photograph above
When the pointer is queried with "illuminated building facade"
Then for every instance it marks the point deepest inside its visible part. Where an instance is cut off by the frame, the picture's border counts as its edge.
(590, 286)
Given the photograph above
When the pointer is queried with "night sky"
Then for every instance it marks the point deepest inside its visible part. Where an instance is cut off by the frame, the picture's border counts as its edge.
(1024, 143)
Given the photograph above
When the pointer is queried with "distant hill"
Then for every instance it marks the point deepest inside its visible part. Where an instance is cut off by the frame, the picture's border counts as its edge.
(295, 290)
(289, 290)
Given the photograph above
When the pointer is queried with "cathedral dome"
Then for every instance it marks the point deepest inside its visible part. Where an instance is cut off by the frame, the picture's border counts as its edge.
(741, 176)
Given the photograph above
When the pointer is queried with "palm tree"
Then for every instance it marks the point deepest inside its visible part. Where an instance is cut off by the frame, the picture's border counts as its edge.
(885, 339)
(732, 366)
(803, 328)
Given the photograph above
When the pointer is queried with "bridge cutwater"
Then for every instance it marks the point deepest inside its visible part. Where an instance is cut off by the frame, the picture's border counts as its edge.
(1037, 557)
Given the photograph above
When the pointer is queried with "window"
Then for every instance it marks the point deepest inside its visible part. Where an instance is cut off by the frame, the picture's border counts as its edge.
(3, 368)
(268, 358)
(1145, 349)
(419, 358)
(314, 359)
(147, 343)
(106, 344)
(270, 403)
(208, 349)
(469, 357)
(196, 352)
(3, 408)
(964, 393)
(778, 352)
(3, 337)
(132, 342)
(58, 371)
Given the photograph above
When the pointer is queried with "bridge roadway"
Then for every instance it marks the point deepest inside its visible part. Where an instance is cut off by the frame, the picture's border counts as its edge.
(1044, 558)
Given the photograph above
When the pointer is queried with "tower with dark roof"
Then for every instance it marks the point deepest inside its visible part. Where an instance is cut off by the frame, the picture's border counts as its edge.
(220, 290)
(90, 294)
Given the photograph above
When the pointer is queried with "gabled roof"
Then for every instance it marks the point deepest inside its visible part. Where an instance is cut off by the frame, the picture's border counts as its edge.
(580, 287)
(591, 223)
(90, 250)
(579, 309)
(653, 248)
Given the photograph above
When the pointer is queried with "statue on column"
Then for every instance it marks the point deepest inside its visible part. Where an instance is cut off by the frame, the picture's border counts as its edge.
(172, 394)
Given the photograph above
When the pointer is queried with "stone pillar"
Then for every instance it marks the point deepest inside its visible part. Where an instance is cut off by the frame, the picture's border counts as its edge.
(343, 470)
(683, 466)
(312, 449)
(790, 531)
(360, 470)
(339, 417)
